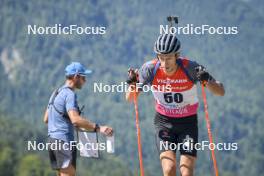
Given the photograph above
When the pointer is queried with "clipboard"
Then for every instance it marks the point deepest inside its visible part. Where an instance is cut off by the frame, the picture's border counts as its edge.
(87, 137)
(84, 136)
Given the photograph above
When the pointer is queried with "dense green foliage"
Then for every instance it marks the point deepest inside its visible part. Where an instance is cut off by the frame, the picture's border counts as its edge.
(32, 66)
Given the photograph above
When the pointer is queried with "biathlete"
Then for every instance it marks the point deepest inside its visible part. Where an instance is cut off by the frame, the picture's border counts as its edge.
(173, 79)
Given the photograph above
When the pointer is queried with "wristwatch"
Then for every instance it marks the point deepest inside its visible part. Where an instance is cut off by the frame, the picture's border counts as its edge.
(97, 127)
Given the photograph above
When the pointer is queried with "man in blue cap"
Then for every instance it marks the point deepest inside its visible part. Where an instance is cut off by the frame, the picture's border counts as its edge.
(62, 115)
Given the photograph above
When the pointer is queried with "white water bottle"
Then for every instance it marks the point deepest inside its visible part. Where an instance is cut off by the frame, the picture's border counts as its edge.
(110, 147)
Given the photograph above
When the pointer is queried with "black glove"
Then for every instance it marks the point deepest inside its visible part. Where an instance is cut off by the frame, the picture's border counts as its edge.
(202, 74)
(132, 76)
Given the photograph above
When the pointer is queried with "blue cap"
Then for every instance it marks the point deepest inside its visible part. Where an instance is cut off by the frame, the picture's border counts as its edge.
(76, 68)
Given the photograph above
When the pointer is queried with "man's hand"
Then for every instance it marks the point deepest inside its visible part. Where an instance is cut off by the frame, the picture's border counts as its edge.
(202, 75)
(108, 131)
(132, 76)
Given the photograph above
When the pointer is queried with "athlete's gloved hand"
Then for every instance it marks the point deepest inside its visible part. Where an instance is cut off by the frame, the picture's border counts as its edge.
(202, 75)
(132, 76)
